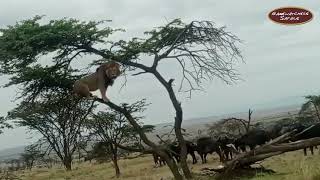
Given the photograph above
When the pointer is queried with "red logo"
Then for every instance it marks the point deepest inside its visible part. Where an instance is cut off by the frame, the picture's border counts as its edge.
(290, 15)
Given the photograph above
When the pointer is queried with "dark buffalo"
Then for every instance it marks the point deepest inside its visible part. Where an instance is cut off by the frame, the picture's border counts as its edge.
(207, 145)
(158, 160)
(226, 146)
(275, 131)
(252, 139)
(307, 133)
(175, 151)
(191, 148)
(298, 128)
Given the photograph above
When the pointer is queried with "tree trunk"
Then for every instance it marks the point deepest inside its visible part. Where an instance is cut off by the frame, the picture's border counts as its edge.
(116, 166)
(67, 162)
(317, 111)
(178, 122)
(79, 154)
(183, 158)
(249, 120)
(182, 142)
(115, 160)
(144, 138)
(172, 166)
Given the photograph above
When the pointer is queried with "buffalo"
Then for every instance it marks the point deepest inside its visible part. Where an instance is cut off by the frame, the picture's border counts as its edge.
(226, 146)
(207, 145)
(307, 133)
(252, 139)
(275, 131)
(175, 151)
(158, 160)
(302, 132)
(298, 128)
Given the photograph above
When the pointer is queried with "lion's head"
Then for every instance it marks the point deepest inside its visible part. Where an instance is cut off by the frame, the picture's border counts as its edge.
(113, 70)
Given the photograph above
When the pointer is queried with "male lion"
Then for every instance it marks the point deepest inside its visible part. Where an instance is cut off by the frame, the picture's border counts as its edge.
(101, 79)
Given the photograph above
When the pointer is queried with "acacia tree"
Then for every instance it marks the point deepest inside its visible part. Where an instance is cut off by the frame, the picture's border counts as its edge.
(311, 107)
(227, 127)
(59, 119)
(3, 124)
(201, 51)
(30, 155)
(112, 128)
(235, 126)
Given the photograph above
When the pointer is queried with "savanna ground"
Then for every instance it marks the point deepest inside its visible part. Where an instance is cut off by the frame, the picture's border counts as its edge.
(289, 166)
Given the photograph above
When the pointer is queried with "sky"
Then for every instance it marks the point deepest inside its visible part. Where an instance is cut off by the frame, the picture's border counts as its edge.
(281, 62)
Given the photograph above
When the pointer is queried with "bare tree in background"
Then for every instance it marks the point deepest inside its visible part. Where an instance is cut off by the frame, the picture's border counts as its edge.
(231, 126)
(311, 107)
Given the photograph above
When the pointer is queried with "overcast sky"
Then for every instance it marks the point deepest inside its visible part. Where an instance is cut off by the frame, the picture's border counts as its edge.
(281, 62)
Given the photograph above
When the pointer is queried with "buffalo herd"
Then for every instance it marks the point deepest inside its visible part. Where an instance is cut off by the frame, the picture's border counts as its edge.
(225, 146)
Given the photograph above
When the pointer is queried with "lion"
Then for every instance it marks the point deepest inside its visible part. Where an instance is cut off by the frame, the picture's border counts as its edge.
(103, 77)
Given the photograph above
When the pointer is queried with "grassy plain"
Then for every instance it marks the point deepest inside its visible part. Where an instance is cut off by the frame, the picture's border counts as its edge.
(288, 166)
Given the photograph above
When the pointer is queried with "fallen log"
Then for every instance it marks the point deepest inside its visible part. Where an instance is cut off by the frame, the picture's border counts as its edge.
(244, 160)
(283, 138)
(244, 172)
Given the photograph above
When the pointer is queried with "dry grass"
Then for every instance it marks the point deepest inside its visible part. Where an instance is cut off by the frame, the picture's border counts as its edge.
(289, 166)
(293, 166)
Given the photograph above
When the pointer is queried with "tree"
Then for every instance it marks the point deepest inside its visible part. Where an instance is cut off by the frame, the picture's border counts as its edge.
(82, 146)
(58, 119)
(30, 155)
(3, 124)
(231, 126)
(114, 131)
(201, 51)
(100, 152)
(311, 107)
